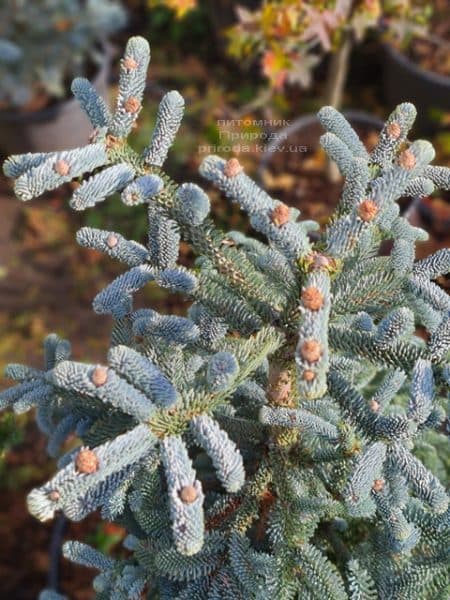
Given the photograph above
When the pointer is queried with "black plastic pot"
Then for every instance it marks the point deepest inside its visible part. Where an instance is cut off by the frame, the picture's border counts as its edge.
(435, 212)
(61, 126)
(405, 81)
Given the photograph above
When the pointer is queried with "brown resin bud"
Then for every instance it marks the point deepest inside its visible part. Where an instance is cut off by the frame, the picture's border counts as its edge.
(112, 141)
(188, 494)
(280, 385)
(311, 350)
(63, 25)
(111, 240)
(378, 485)
(280, 214)
(394, 130)
(132, 197)
(132, 105)
(62, 167)
(86, 461)
(367, 210)
(232, 168)
(308, 375)
(129, 63)
(374, 406)
(407, 160)
(316, 261)
(54, 495)
(312, 298)
(99, 375)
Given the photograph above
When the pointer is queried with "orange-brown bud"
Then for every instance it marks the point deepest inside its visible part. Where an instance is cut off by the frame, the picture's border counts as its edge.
(311, 350)
(378, 485)
(280, 214)
(394, 130)
(129, 63)
(374, 405)
(62, 167)
(407, 160)
(54, 495)
(308, 375)
(99, 376)
(86, 461)
(111, 240)
(312, 298)
(232, 168)
(188, 494)
(132, 105)
(367, 210)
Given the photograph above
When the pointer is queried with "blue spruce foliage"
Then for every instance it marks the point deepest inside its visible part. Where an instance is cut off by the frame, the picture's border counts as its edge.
(283, 438)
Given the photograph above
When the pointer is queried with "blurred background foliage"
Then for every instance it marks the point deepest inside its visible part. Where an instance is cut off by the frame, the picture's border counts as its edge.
(245, 69)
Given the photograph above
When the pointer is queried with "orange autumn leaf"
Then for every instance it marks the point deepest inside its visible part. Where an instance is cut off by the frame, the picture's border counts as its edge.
(180, 7)
(285, 22)
(275, 67)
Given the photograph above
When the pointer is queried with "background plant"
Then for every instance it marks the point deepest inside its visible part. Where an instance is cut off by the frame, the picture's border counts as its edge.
(45, 43)
(290, 38)
(267, 443)
(429, 51)
(179, 7)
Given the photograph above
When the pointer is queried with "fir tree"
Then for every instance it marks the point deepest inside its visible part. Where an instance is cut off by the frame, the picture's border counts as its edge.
(281, 440)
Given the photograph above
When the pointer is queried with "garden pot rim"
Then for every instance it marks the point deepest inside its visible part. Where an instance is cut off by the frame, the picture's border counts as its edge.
(410, 65)
(59, 105)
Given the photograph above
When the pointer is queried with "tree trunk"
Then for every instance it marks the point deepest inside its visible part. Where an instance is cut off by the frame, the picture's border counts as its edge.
(334, 91)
